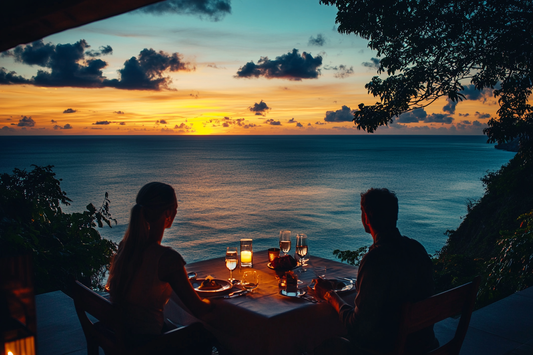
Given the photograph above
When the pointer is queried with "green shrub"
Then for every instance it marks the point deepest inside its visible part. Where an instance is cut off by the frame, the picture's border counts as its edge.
(63, 245)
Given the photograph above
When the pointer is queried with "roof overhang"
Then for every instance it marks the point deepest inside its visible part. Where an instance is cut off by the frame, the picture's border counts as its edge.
(25, 21)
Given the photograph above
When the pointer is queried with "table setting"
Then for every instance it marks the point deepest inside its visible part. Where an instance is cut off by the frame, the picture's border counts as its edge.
(265, 299)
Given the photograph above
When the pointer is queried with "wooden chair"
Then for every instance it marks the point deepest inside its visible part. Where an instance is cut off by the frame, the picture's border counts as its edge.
(108, 331)
(422, 314)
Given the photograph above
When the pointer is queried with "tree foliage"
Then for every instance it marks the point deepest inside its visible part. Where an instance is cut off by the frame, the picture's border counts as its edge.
(63, 245)
(431, 49)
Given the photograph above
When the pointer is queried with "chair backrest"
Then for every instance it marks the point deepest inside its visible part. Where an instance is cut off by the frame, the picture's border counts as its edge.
(419, 315)
(106, 332)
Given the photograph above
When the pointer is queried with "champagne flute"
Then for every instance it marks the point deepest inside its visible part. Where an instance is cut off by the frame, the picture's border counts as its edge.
(301, 247)
(250, 280)
(231, 261)
(285, 241)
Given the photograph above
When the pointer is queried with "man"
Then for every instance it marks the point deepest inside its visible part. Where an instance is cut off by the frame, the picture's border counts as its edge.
(396, 269)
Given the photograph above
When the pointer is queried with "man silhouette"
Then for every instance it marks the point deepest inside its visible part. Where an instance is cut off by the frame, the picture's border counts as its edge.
(395, 270)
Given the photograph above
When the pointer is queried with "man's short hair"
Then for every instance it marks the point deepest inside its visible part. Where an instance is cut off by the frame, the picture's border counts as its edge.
(381, 208)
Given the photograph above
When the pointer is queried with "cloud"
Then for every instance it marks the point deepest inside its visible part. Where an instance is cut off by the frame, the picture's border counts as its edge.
(249, 125)
(374, 63)
(299, 125)
(482, 115)
(67, 126)
(414, 116)
(118, 112)
(471, 93)
(53, 121)
(26, 122)
(68, 67)
(273, 123)
(450, 106)
(214, 66)
(291, 66)
(184, 128)
(318, 41)
(69, 110)
(7, 129)
(215, 10)
(344, 72)
(345, 114)
(105, 123)
(260, 109)
(104, 50)
(146, 71)
(292, 120)
(11, 77)
(420, 115)
(161, 122)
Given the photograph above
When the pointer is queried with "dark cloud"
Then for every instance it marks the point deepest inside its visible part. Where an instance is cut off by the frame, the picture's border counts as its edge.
(345, 114)
(104, 50)
(438, 118)
(146, 71)
(162, 122)
(26, 122)
(53, 121)
(69, 110)
(482, 115)
(292, 120)
(321, 123)
(477, 123)
(11, 77)
(8, 129)
(291, 66)
(413, 116)
(102, 123)
(471, 93)
(184, 128)
(68, 66)
(450, 106)
(273, 123)
(299, 125)
(67, 126)
(344, 72)
(374, 63)
(249, 125)
(215, 10)
(260, 109)
(318, 41)
(118, 112)
(122, 123)
(214, 66)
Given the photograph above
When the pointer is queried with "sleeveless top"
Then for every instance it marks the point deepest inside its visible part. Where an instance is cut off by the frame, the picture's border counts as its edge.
(147, 295)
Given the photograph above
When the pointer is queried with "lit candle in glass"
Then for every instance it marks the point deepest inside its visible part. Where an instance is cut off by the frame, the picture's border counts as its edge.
(246, 253)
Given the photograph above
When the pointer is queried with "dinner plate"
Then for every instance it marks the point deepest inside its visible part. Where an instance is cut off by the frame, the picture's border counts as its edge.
(269, 265)
(296, 294)
(342, 285)
(224, 285)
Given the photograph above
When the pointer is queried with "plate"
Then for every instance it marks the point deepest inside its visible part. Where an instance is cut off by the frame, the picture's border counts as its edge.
(225, 285)
(269, 265)
(296, 294)
(342, 285)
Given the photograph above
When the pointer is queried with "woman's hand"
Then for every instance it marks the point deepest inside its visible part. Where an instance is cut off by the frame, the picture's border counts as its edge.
(322, 287)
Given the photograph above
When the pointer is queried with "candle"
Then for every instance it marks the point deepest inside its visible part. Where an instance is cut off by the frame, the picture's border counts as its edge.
(246, 256)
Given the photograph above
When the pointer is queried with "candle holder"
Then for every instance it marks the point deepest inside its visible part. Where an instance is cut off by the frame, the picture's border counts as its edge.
(247, 253)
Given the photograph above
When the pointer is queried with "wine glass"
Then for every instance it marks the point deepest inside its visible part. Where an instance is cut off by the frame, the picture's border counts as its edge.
(301, 247)
(250, 280)
(285, 241)
(231, 261)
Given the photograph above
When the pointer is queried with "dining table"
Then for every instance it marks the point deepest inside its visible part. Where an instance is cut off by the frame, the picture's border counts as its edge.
(265, 321)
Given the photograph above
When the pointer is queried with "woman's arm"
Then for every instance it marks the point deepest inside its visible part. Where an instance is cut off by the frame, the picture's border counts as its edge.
(172, 270)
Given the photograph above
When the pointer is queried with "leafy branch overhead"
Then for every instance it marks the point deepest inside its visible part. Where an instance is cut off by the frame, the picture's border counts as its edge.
(431, 49)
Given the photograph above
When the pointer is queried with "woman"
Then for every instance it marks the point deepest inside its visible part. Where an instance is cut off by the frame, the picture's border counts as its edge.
(143, 272)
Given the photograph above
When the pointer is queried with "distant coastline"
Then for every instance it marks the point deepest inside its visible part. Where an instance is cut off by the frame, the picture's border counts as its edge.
(511, 146)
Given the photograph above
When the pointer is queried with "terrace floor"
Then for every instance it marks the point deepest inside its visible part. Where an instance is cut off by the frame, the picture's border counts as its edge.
(504, 327)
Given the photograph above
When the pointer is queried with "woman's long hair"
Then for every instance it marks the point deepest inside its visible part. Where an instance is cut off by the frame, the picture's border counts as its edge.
(153, 200)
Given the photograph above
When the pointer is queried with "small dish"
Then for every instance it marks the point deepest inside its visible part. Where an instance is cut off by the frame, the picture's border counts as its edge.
(224, 285)
(294, 294)
(339, 285)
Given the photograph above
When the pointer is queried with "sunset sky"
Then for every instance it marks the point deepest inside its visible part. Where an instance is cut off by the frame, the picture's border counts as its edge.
(239, 67)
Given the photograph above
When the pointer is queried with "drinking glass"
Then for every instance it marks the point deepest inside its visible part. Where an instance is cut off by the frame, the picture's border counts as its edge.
(250, 280)
(301, 247)
(285, 241)
(231, 261)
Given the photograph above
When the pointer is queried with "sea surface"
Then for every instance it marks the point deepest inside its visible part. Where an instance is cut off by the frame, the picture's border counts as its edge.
(233, 187)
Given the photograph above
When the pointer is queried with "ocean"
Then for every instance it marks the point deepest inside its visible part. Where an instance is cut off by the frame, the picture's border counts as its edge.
(233, 187)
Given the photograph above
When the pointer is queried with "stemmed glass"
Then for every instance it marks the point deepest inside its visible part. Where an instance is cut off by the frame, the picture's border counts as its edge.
(285, 241)
(250, 280)
(301, 248)
(232, 259)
